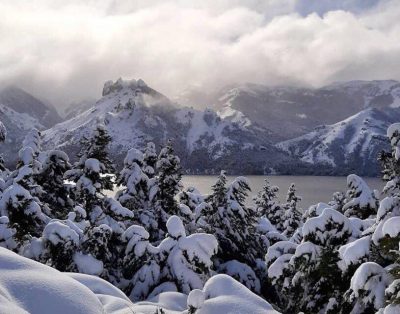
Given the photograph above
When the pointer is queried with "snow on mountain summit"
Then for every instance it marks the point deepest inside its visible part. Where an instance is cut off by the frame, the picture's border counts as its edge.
(135, 114)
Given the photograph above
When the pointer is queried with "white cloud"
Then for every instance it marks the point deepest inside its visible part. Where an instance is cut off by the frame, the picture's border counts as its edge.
(66, 50)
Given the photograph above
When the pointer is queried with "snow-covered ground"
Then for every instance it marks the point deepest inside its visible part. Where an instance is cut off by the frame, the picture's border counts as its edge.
(27, 286)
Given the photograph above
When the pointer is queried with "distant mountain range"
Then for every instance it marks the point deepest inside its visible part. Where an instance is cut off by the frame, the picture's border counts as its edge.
(252, 129)
(20, 112)
(134, 114)
(291, 111)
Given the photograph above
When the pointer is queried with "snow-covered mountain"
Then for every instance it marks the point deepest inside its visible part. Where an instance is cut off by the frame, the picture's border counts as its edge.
(134, 114)
(293, 111)
(20, 112)
(349, 146)
(77, 108)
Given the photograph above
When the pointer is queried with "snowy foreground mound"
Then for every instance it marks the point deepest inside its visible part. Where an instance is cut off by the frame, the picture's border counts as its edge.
(30, 287)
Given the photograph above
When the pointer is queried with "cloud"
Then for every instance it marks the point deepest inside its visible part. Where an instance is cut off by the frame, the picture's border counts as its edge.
(64, 51)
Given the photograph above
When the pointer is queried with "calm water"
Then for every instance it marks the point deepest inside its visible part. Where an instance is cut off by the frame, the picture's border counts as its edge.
(311, 188)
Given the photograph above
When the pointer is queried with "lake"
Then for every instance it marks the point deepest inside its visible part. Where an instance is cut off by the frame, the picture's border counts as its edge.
(312, 189)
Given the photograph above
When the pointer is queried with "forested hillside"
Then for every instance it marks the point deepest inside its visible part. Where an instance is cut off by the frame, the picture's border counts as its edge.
(154, 236)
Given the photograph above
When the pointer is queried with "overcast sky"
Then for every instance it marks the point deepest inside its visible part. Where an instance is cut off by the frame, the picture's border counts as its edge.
(65, 50)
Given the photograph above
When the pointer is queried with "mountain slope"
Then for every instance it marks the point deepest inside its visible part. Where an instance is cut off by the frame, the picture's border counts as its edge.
(351, 145)
(24, 103)
(134, 114)
(77, 108)
(292, 111)
(20, 112)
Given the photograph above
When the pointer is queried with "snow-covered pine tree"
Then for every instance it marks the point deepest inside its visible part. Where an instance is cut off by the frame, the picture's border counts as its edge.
(135, 194)
(18, 201)
(232, 222)
(179, 262)
(92, 173)
(61, 241)
(97, 243)
(189, 200)
(367, 290)
(54, 193)
(168, 184)
(149, 160)
(24, 213)
(28, 165)
(188, 258)
(292, 215)
(34, 140)
(386, 235)
(268, 207)
(361, 202)
(137, 251)
(97, 148)
(390, 161)
(218, 196)
(317, 283)
(392, 292)
(280, 271)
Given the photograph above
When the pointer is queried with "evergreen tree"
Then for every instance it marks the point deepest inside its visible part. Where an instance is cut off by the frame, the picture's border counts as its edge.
(390, 162)
(137, 251)
(361, 202)
(280, 271)
(149, 160)
(292, 216)
(232, 221)
(135, 194)
(61, 243)
(367, 289)
(218, 196)
(180, 260)
(189, 200)
(92, 173)
(96, 148)
(268, 207)
(168, 184)
(24, 213)
(97, 243)
(28, 165)
(316, 281)
(53, 191)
